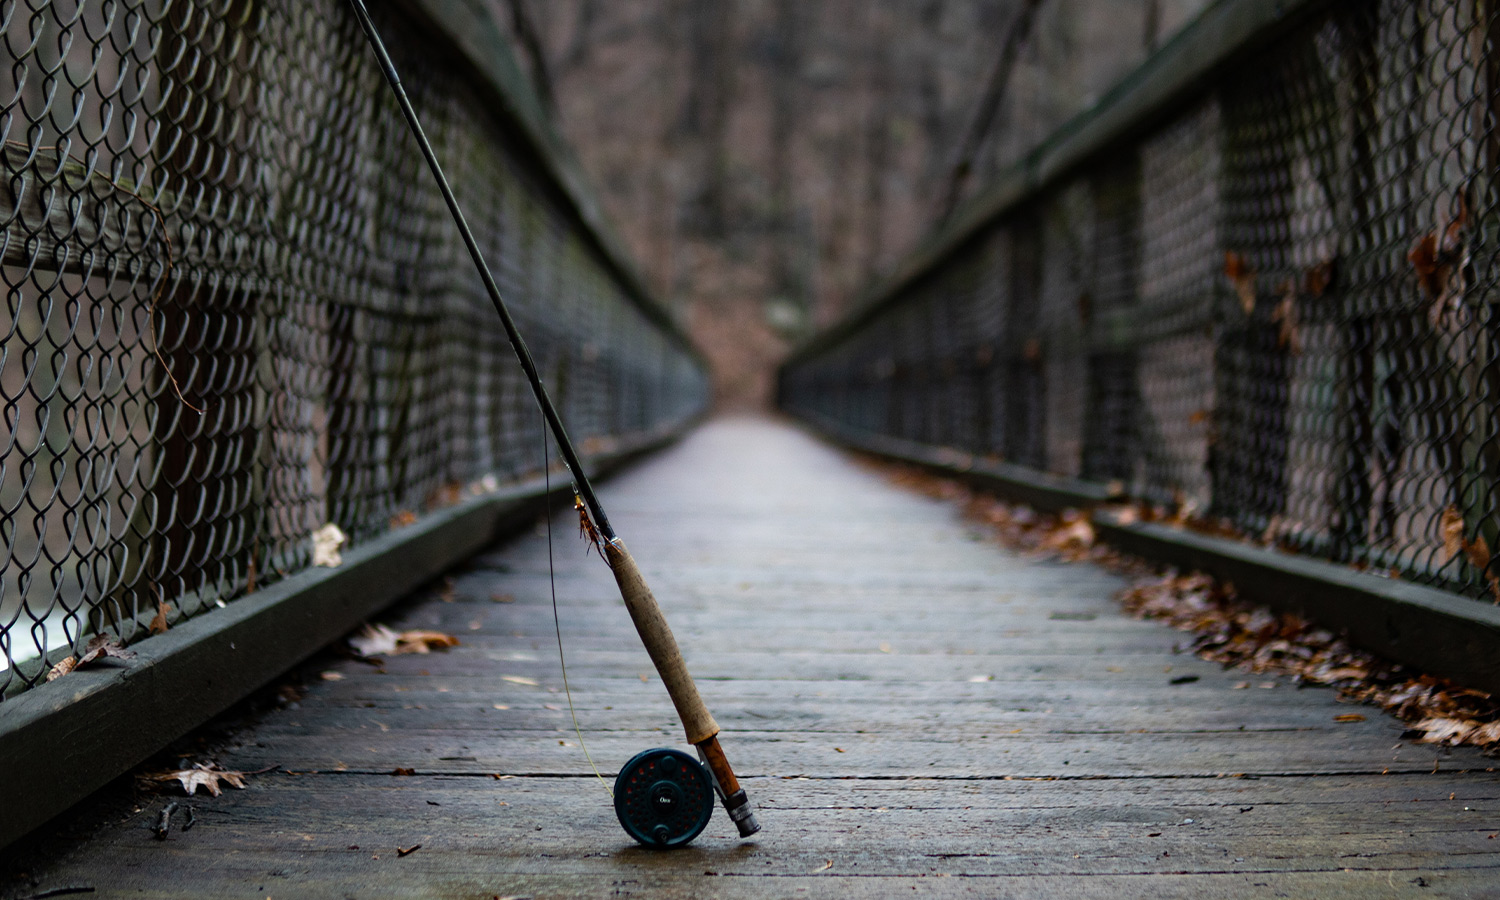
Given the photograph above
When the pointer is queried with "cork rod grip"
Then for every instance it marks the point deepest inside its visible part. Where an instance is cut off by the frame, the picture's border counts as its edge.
(660, 643)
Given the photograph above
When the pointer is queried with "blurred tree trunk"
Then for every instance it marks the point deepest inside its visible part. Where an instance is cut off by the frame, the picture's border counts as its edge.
(710, 91)
(930, 93)
(877, 145)
(786, 66)
(530, 41)
(988, 108)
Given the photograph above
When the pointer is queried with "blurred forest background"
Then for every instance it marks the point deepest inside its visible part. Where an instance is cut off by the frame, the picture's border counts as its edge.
(767, 160)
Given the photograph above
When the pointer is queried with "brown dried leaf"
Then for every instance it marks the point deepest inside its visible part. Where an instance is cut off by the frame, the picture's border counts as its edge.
(98, 647)
(1485, 735)
(403, 518)
(1478, 551)
(1451, 527)
(62, 668)
(1349, 717)
(159, 621)
(379, 640)
(1453, 234)
(446, 495)
(205, 775)
(1432, 272)
(1237, 270)
(1320, 277)
(1031, 351)
(1285, 316)
(423, 641)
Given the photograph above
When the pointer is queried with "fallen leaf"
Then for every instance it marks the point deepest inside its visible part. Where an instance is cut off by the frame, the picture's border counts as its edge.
(1031, 351)
(1285, 316)
(403, 518)
(332, 676)
(1349, 717)
(409, 850)
(825, 867)
(519, 679)
(62, 668)
(1320, 277)
(1478, 551)
(374, 640)
(1432, 274)
(98, 647)
(447, 495)
(1439, 262)
(326, 543)
(1444, 730)
(159, 621)
(377, 640)
(1452, 529)
(205, 775)
(403, 772)
(1242, 277)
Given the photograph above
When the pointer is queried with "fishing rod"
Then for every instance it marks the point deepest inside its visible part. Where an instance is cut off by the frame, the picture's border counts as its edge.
(662, 796)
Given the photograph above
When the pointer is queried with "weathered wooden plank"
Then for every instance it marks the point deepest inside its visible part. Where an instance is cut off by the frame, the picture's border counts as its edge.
(557, 835)
(1079, 771)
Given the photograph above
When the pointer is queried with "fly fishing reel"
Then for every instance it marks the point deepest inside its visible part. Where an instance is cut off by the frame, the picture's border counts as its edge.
(664, 798)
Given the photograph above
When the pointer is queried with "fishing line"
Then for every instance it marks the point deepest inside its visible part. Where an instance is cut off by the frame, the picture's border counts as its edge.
(556, 619)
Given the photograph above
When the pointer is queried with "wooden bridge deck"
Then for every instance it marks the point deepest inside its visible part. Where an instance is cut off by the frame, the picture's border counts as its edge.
(915, 711)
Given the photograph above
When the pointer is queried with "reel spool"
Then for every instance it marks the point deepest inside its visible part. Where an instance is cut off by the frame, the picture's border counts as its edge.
(664, 798)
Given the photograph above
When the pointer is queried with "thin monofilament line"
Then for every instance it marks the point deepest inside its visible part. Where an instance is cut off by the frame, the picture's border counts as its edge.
(556, 619)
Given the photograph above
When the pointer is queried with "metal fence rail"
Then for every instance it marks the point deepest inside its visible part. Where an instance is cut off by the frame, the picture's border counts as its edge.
(1271, 298)
(235, 309)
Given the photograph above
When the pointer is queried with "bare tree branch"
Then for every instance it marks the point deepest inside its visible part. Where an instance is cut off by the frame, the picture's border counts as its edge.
(989, 107)
(531, 42)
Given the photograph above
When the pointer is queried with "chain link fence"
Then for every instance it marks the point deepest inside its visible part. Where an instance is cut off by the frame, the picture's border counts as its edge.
(235, 308)
(1273, 305)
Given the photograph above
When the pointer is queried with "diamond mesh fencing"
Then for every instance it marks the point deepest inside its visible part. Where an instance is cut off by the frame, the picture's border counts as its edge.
(1272, 308)
(235, 308)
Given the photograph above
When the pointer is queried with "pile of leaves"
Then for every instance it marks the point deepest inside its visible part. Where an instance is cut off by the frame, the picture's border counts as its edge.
(1254, 639)
(1068, 535)
(1234, 633)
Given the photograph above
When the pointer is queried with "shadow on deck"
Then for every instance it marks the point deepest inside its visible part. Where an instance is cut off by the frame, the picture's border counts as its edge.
(912, 708)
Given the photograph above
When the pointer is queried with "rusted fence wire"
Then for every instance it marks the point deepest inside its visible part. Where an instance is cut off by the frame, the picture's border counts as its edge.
(1272, 302)
(235, 308)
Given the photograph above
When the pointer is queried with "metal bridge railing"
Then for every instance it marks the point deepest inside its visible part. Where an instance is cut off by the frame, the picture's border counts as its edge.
(235, 309)
(1267, 292)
